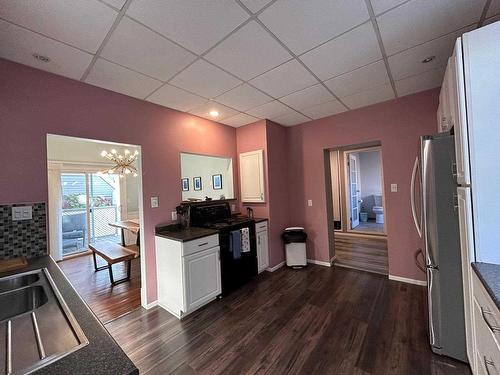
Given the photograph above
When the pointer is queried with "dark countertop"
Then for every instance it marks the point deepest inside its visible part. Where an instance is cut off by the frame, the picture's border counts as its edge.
(177, 233)
(489, 274)
(260, 219)
(102, 355)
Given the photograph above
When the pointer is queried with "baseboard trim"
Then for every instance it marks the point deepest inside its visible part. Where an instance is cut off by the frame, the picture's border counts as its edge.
(276, 267)
(409, 281)
(319, 263)
(151, 305)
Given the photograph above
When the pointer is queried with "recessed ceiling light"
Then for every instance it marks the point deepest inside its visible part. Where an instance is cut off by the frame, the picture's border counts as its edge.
(41, 58)
(213, 113)
(428, 59)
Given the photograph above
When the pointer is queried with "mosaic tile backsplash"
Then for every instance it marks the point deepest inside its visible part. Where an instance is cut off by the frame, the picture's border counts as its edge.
(24, 237)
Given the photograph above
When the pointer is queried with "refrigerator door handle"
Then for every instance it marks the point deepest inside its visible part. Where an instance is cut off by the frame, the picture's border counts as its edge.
(418, 225)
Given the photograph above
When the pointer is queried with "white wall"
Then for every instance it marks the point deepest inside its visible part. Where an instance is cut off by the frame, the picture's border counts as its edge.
(204, 166)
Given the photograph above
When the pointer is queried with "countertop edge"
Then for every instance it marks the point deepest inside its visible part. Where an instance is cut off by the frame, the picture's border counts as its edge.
(487, 283)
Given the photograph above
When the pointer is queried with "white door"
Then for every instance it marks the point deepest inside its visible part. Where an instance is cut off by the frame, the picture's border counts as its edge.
(467, 252)
(262, 251)
(202, 278)
(252, 176)
(354, 189)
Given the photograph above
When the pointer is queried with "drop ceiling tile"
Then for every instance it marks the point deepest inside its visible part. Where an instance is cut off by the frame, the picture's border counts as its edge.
(205, 80)
(419, 21)
(308, 97)
(115, 3)
(303, 25)
(494, 9)
(409, 62)
(195, 24)
(19, 45)
(248, 52)
(244, 97)
(380, 6)
(284, 79)
(239, 120)
(345, 53)
(255, 5)
(173, 97)
(117, 78)
(421, 82)
(291, 119)
(369, 97)
(136, 47)
(324, 109)
(269, 110)
(204, 111)
(358, 80)
(83, 24)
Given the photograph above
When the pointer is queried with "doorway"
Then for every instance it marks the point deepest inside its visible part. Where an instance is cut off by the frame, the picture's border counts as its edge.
(92, 205)
(364, 191)
(90, 201)
(356, 207)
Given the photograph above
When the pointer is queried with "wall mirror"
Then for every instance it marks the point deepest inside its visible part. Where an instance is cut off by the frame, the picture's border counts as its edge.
(206, 176)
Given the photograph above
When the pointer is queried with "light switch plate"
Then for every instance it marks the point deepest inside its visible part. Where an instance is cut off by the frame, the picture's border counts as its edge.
(154, 202)
(22, 213)
(394, 188)
(174, 215)
(309, 202)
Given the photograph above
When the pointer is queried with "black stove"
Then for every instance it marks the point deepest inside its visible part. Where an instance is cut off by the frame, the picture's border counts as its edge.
(235, 270)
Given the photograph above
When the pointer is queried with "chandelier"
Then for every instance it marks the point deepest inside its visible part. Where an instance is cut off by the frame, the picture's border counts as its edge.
(124, 164)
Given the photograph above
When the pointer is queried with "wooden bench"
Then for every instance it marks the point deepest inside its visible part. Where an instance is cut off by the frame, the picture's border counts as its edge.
(112, 253)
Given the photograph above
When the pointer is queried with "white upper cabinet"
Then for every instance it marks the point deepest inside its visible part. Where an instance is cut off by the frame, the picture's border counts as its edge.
(252, 176)
(444, 116)
(460, 116)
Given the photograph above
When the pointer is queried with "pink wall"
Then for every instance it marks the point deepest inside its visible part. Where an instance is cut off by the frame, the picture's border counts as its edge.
(272, 138)
(253, 137)
(397, 124)
(34, 103)
(278, 189)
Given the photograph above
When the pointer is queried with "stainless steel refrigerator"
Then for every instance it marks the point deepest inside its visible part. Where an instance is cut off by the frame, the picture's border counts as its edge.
(439, 227)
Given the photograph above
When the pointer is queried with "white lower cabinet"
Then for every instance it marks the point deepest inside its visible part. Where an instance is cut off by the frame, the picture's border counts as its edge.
(262, 236)
(486, 318)
(188, 273)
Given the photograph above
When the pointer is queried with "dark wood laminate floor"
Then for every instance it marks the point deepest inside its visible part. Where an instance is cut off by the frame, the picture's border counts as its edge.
(367, 253)
(106, 301)
(314, 321)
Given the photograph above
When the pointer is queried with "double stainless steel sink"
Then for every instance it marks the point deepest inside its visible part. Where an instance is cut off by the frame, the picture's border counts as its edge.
(36, 326)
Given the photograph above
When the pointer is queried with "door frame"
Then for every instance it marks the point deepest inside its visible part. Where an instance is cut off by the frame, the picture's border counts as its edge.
(140, 193)
(346, 189)
(348, 192)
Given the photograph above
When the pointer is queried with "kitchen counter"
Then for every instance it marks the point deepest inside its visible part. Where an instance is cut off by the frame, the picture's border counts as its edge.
(102, 355)
(489, 274)
(260, 219)
(177, 233)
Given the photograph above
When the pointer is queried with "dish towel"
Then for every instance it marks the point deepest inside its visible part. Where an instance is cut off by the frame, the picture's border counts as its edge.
(235, 244)
(245, 240)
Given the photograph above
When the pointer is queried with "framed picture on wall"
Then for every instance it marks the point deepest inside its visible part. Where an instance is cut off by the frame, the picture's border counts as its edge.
(217, 181)
(185, 184)
(197, 183)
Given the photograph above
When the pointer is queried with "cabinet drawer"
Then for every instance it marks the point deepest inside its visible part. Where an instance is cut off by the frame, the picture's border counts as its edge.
(490, 313)
(200, 244)
(488, 352)
(259, 227)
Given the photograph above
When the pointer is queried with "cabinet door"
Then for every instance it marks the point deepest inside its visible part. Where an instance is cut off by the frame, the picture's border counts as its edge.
(262, 250)
(444, 103)
(252, 176)
(202, 281)
(467, 251)
(461, 135)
